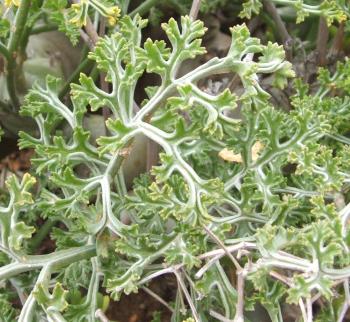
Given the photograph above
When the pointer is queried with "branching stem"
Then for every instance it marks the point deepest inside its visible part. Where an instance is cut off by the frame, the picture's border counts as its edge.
(143, 8)
(13, 47)
(56, 260)
(188, 296)
(222, 245)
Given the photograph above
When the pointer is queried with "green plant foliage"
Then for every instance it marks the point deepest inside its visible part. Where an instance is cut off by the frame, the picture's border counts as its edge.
(70, 18)
(248, 194)
(332, 10)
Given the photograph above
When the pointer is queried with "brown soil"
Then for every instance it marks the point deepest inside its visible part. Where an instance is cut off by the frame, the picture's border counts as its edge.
(140, 307)
(17, 161)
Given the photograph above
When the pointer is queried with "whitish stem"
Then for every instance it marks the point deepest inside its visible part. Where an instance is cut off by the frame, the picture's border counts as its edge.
(101, 316)
(188, 296)
(219, 316)
(195, 9)
(309, 310)
(27, 312)
(346, 303)
(239, 316)
(222, 245)
(303, 310)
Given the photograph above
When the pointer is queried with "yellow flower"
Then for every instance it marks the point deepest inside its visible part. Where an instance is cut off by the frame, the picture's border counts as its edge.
(9, 3)
(342, 17)
(80, 13)
(113, 15)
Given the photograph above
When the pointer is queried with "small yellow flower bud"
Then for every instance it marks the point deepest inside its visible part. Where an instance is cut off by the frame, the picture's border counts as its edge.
(113, 15)
(9, 3)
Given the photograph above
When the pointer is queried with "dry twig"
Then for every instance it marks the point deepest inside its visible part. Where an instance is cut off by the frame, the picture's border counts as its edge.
(188, 296)
(158, 298)
(195, 9)
(322, 41)
(286, 39)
